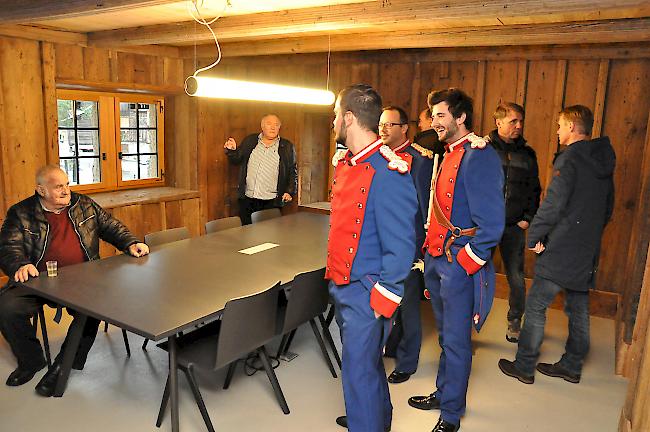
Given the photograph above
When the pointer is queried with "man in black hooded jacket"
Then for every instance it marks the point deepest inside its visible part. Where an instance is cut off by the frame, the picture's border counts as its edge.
(566, 233)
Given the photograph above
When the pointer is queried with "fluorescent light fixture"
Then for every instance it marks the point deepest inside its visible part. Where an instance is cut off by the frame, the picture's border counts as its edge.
(255, 91)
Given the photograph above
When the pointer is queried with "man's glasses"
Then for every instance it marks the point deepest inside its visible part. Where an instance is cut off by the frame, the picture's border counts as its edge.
(389, 125)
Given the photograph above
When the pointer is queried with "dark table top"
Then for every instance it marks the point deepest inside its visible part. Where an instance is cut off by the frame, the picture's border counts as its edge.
(182, 283)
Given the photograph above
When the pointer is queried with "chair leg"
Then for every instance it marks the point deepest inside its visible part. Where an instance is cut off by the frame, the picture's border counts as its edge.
(330, 315)
(321, 344)
(288, 343)
(126, 343)
(105, 326)
(144, 344)
(231, 372)
(281, 346)
(329, 339)
(163, 404)
(191, 379)
(46, 341)
(264, 357)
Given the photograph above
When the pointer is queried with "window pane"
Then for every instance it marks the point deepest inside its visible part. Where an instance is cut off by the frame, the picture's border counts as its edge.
(64, 108)
(88, 142)
(129, 168)
(129, 143)
(66, 143)
(89, 171)
(147, 114)
(70, 168)
(86, 112)
(128, 115)
(148, 139)
(148, 166)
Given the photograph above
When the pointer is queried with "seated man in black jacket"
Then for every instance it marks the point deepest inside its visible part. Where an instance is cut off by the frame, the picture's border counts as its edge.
(52, 225)
(269, 175)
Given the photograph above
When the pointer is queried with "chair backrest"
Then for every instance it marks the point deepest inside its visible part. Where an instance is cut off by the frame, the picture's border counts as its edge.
(222, 224)
(167, 236)
(263, 215)
(307, 298)
(247, 324)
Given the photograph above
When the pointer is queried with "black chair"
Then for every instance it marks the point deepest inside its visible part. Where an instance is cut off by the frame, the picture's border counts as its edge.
(223, 342)
(307, 299)
(162, 237)
(222, 224)
(40, 315)
(267, 214)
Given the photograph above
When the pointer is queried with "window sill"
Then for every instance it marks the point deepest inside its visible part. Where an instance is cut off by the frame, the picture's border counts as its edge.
(148, 195)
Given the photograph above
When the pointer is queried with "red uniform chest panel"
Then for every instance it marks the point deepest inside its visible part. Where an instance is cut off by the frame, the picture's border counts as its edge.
(408, 158)
(445, 186)
(350, 188)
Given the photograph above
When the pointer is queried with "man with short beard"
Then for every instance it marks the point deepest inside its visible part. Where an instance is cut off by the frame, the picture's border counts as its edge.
(466, 222)
(369, 253)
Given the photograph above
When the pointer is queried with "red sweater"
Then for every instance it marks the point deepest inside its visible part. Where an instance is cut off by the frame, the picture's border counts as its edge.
(63, 244)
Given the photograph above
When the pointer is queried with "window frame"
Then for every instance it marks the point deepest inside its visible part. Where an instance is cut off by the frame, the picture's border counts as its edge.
(110, 138)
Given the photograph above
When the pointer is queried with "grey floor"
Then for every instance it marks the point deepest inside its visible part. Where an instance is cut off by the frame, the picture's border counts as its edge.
(116, 393)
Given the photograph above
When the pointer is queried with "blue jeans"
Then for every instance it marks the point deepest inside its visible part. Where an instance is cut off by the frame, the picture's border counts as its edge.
(576, 307)
(512, 248)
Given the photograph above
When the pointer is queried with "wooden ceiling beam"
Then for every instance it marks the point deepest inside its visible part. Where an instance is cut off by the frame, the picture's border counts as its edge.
(43, 34)
(378, 16)
(20, 11)
(590, 32)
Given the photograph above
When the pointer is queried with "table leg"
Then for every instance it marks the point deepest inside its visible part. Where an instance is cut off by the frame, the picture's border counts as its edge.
(76, 330)
(173, 383)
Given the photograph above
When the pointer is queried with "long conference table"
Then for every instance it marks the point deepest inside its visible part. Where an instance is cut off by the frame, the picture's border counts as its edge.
(181, 284)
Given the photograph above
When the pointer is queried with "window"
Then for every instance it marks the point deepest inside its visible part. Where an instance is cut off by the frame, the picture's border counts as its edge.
(110, 141)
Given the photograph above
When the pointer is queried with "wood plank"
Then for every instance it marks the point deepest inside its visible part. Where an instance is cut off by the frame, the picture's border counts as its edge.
(392, 80)
(142, 196)
(500, 86)
(599, 105)
(539, 34)
(69, 62)
(581, 83)
(522, 82)
(417, 104)
(96, 64)
(39, 10)
(360, 18)
(50, 112)
(479, 99)
(171, 89)
(43, 34)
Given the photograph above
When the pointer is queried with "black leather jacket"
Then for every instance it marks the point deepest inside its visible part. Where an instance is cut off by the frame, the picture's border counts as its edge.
(287, 173)
(521, 186)
(23, 238)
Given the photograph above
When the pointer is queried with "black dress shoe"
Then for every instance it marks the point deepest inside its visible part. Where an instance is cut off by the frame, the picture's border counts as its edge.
(22, 375)
(398, 377)
(445, 426)
(509, 368)
(425, 402)
(557, 371)
(343, 422)
(47, 384)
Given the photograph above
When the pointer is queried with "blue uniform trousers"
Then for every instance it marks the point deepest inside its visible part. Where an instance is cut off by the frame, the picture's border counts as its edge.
(408, 350)
(365, 389)
(452, 299)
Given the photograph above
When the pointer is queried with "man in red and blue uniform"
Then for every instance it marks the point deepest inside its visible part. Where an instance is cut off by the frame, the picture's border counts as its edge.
(406, 335)
(466, 220)
(369, 253)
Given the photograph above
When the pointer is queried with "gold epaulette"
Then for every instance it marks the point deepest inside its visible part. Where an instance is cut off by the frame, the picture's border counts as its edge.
(423, 151)
(476, 141)
(340, 154)
(395, 162)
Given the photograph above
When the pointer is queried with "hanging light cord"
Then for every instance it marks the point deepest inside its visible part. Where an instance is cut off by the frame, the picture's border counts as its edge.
(193, 6)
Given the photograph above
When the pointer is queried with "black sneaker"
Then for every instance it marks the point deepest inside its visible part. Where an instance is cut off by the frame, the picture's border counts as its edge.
(557, 371)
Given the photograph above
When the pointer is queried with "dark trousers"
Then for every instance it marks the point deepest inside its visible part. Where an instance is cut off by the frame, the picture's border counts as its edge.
(248, 206)
(512, 248)
(405, 337)
(17, 306)
(452, 299)
(576, 307)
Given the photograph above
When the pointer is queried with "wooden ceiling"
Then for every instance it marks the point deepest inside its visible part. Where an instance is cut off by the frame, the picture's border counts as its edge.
(256, 27)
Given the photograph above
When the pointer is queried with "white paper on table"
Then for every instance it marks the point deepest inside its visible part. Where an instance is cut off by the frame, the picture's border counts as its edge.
(258, 248)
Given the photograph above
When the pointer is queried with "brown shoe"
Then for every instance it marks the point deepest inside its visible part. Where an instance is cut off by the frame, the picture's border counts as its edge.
(509, 368)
